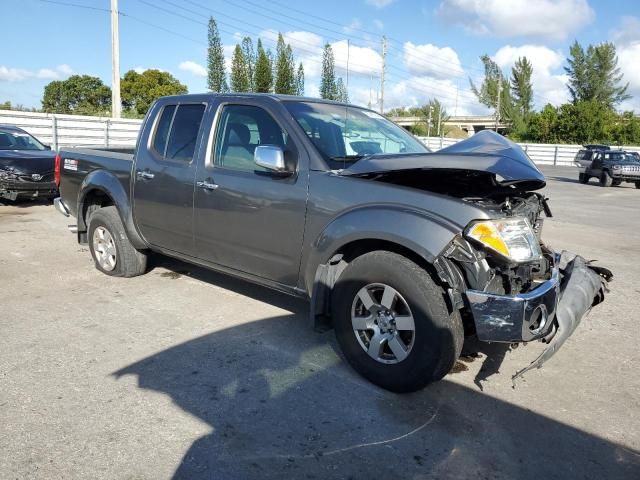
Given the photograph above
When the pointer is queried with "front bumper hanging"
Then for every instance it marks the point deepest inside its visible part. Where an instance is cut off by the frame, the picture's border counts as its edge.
(550, 313)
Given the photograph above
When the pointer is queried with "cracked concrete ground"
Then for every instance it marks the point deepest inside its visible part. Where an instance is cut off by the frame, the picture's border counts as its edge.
(189, 374)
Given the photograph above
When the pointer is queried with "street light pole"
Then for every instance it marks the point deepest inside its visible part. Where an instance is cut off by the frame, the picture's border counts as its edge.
(115, 62)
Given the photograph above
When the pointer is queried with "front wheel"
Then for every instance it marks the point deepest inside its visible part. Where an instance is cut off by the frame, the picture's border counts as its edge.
(605, 179)
(583, 178)
(638, 185)
(393, 324)
(110, 247)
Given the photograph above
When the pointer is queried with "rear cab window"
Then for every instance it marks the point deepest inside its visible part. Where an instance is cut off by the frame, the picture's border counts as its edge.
(176, 132)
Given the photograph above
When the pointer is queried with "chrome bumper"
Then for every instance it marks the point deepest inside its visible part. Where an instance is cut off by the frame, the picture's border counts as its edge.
(60, 206)
(516, 318)
(550, 313)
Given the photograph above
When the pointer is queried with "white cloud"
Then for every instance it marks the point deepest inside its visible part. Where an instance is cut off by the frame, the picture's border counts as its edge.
(416, 91)
(65, 69)
(9, 74)
(355, 24)
(362, 60)
(627, 39)
(379, 3)
(550, 19)
(47, 74)
(548, 79)
(193, 67)
(430, 60)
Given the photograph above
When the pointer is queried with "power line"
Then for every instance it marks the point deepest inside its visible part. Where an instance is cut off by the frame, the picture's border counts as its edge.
(77, 5)
(425, 90)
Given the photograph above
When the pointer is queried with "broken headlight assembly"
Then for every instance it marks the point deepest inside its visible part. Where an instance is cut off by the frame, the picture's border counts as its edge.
(512, 238)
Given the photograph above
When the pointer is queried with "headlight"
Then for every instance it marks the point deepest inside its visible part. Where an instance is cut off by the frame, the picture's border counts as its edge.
(617, 167)
(512, 238)
(7, 175)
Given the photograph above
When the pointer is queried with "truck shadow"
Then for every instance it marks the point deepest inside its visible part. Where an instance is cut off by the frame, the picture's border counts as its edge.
(280, 403)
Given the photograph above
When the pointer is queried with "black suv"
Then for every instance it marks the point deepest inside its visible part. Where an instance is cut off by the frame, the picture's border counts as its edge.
(610, 167)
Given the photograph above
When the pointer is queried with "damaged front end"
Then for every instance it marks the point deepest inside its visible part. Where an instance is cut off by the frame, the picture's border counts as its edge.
(510, 302)
(508, 286)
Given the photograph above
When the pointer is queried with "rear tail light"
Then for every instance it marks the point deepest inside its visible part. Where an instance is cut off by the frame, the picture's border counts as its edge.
(56, 170)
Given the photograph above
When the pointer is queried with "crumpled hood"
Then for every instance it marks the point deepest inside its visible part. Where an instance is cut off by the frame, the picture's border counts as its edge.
(486, 151)
(27, 161)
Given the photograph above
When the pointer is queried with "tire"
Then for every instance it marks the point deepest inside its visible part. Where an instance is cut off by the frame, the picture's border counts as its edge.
(616, 183)
(583, 178)
(428, 352)
(638, 185)
(110, 247)
(605, 179)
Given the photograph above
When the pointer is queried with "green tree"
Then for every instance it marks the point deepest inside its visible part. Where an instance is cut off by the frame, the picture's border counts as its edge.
(264, 72)
(140, 90)
(521, 86)
(328, 87)
(594, 75)
(300, 80)
(78, 94)
(626, 130)
(250, 59)
(494, 83)
(543, 126)
(217, 77)
(285, 82)
(240, 81)
(6, 105)
(342, 95)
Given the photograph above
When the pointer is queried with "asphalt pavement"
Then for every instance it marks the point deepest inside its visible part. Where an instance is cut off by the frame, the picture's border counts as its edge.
(186, 373)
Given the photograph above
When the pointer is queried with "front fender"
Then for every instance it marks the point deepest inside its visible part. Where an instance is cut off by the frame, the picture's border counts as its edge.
(422, 232)
(110, 185)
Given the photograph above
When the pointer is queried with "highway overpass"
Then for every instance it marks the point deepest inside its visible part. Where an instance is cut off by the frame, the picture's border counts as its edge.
(469, 123)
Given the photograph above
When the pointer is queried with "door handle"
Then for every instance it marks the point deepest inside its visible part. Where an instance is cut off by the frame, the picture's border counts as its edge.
(144, 175)
(207, 185)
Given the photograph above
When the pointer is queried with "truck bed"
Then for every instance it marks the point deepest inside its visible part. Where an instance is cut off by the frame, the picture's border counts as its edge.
(78, 163)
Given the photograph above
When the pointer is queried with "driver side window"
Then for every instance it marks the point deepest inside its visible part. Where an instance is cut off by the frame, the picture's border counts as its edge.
(241, 129)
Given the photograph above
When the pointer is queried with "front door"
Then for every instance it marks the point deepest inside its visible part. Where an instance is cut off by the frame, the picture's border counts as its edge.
(245, 217)
(164, 178)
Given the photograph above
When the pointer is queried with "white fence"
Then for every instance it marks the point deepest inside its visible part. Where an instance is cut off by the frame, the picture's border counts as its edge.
(540, 153)
(74, 130)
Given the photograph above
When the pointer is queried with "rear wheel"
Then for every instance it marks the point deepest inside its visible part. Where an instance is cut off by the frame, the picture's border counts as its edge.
(605, 179)
(110, 247)
(393, 324)
(583, 178)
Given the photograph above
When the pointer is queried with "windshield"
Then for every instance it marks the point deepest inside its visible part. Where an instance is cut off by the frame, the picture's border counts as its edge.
(18, 140)
(344, 134)
(622, 156)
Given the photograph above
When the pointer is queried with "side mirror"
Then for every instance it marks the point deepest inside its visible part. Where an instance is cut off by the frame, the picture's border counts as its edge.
(47, 147)
(271, 157)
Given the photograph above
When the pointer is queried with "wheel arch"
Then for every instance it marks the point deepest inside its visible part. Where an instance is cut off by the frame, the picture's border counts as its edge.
(100, 189)
(422, 240)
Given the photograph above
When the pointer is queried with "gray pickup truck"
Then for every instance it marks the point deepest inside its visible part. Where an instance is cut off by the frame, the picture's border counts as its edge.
(402, 251)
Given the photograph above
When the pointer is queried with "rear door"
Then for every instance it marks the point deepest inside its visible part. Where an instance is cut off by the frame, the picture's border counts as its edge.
(163, 180)
(245, 217)
(596, 165)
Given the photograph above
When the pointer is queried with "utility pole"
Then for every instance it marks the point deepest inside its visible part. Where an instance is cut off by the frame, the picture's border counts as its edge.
(498, 107)
(429, 122)
(439, 118)
(384, 67)
(115, 62)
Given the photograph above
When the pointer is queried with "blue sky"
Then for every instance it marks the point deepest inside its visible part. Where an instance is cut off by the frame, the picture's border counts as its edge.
(433, 45)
